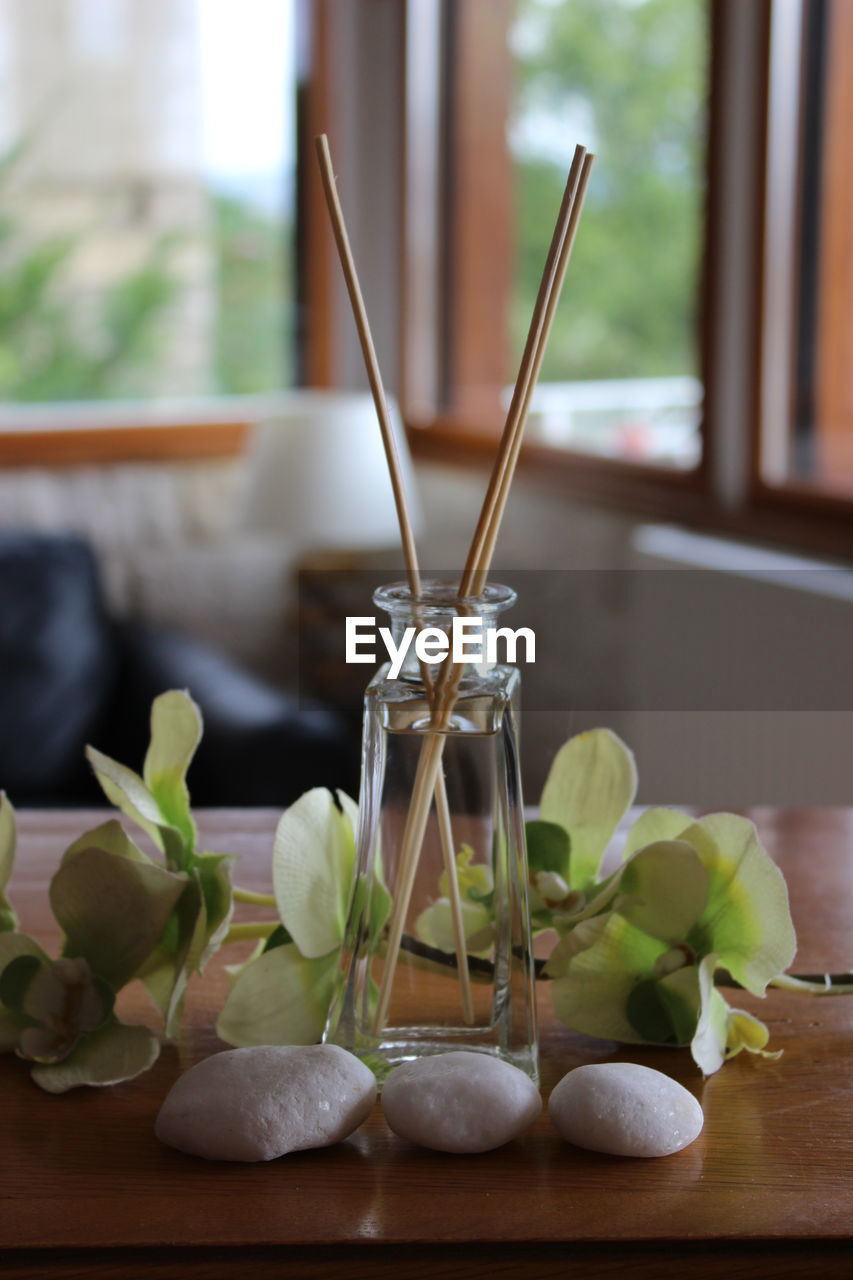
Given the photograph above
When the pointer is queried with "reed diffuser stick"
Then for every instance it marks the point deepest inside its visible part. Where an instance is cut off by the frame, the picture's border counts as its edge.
(482, 563)
(491, 514)
(410, 555)
(479, 557)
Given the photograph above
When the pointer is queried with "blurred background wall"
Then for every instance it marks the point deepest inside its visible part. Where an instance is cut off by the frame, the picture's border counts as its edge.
(154, 250)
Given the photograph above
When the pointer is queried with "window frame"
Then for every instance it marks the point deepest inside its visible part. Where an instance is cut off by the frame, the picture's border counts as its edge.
(76, 433)
(726, 491)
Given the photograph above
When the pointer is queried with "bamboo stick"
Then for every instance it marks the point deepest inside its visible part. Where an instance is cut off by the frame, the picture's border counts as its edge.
(480, 554)
(481, 560)
(491, 512)
(410, 555)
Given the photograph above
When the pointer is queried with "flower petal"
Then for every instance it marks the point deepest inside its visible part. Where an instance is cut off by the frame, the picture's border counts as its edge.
(113, 1053)
(8, 919)
(591, 785)
(126, 790)
(667, 888)
(708, 1046)
(167, 970)
(548, 847)
(214, 873)
(666, 1010)
(113, 910)
(747, 920)
(592, 995)
(109, 836)
(176, 730)
(653, 825)
(434, 926)
(746, 1032)
(281, 998)
(313, 857)
(13, 945)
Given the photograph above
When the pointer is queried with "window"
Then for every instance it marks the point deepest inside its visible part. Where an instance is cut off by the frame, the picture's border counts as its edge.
(807, 418)
(745, 322)
(147, 199)
(622, 374)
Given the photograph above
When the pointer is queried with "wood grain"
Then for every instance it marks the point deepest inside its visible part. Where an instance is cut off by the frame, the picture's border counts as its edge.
(766, 1189)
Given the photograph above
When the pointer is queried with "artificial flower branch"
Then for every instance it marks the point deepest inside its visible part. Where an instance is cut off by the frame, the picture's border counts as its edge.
(643, 952)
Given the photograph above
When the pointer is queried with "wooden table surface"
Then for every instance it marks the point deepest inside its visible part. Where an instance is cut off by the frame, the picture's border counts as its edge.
(766, 1190)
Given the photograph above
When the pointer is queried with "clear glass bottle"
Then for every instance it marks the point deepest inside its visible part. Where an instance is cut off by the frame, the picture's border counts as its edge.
(430, 737)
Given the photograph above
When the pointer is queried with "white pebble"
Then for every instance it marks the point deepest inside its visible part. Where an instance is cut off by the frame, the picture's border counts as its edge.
(460, 1102)
(259, 1103)
(625, 1110)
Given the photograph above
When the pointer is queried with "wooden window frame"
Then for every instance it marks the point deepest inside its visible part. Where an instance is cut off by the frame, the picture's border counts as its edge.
(731, 499)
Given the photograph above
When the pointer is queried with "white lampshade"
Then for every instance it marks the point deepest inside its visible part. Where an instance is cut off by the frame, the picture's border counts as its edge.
(317, 472)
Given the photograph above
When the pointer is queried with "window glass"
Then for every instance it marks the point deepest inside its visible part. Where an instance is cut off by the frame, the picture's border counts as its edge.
(146, 198)
(807, 436)
(629, 79)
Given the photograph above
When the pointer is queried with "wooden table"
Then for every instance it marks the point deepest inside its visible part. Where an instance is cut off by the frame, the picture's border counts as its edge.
(767, 1190)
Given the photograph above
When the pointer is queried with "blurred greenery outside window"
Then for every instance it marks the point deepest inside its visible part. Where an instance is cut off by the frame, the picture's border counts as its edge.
(146, 198)
(629, 79)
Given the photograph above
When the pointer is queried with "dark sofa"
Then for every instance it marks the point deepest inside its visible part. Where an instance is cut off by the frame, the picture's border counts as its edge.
(71, 674)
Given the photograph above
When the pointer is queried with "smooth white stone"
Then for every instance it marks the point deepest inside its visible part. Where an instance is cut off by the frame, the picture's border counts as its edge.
(259, 1103)
(460, 1102)
(625, 1109)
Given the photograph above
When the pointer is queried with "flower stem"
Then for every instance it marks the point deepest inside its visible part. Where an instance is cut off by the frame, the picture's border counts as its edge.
(831, 984)
(253, 929)
(253, 899)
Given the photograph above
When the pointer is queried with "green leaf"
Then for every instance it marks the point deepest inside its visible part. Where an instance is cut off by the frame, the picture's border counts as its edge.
(667, 889)
(16, 979)
(548, 847)
(313, 857)
(747, 920)
(176, 730)
(654, 825)
(113, 910)
(281, 998)
(591, 995)
(214, 872)
(112, 838)
(113, 1053)
(590, 787)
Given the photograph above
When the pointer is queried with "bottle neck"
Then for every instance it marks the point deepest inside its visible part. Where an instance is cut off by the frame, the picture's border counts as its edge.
(466, 636)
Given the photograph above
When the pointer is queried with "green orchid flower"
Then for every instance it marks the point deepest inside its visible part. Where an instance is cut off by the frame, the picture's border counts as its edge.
(282, 995)
(637, 957)
(158, 802)
(434, 926)
(58, 1015)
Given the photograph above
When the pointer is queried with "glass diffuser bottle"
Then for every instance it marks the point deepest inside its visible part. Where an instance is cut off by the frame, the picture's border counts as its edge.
(437, 950)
